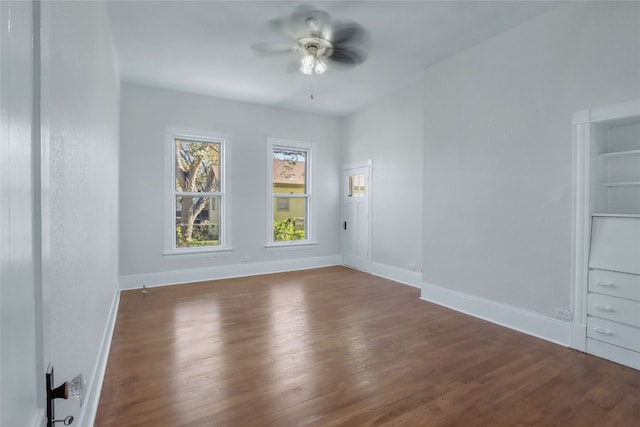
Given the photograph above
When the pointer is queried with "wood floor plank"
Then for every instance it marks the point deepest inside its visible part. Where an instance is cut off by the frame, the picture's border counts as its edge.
(337, 347)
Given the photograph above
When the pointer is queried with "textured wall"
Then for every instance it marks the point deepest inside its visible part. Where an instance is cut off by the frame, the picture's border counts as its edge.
(83, 103)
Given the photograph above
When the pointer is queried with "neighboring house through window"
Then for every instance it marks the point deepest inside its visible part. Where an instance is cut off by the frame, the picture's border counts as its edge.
(283, 204)
(290, 191)
(197, 219)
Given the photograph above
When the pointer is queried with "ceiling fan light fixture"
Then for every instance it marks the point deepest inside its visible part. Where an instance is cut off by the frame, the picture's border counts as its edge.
(311, 62)
(311, 65)
(320, 67)
(308, 64)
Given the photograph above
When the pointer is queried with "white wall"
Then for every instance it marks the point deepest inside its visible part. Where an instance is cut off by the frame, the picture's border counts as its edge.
(498, 150)
(82, 104)
(145, 112)
(390, 133)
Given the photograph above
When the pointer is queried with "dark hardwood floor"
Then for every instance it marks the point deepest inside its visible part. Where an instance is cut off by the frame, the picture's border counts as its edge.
(334, 346)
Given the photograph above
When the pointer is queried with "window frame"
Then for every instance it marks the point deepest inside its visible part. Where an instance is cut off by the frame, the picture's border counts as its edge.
(222, 138)
(310, 149)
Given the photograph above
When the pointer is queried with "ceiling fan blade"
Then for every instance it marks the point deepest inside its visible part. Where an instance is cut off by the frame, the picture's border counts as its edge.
(349, 34)
(346, 57)
(272, 48)
(305, 21)
(282, 26)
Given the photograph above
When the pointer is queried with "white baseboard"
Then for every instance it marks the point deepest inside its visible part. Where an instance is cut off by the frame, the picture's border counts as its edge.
(39, 418)
(161, 278)
(528, 322)
(397, 274)
(578, 337)
(90, 406)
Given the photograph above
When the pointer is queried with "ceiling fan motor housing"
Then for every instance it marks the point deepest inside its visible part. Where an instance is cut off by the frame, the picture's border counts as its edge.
(315, 46)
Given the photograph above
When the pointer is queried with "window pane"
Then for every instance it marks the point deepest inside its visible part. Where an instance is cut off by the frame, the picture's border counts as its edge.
(282, 204)
(289, 171)
(197, 221)
(197, 166)
(290, 225)
(361, 185)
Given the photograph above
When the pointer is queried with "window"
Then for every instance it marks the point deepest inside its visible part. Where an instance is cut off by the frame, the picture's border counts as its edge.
(196, 200)
(355, 186)
(290, 194)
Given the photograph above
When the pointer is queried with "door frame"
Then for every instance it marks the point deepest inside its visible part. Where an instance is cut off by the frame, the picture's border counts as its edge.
(360, 164)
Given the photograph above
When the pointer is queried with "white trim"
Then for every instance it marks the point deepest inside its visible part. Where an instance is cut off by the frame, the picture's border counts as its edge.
(291, 243)
(397, 274)
(175, 277)
(360, 164)
(224, 139)
(578, 334)
(39, 418)
(528, 322)
(615, 112)
(45, 190)
(581, 230)
(310, 224)
(198, 252)
(90, 407)
(581, 117)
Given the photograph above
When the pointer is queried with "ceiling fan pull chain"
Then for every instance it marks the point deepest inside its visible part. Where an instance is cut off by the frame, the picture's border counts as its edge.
(311, 86)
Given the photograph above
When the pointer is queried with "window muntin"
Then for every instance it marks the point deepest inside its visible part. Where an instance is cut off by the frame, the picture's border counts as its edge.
(289, 213)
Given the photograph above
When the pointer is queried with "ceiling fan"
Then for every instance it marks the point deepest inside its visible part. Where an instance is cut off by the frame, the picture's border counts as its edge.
(317, 41)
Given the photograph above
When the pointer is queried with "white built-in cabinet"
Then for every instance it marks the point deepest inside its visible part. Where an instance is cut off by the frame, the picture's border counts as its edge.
(606, 268)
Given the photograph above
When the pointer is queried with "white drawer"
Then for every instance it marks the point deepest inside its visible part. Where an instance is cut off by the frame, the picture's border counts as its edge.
(613, 333)
(613, 352)
(624, 285)
(612, 308)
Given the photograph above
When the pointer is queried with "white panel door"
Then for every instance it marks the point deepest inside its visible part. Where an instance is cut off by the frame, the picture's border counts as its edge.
(22, 391)
(356, 195)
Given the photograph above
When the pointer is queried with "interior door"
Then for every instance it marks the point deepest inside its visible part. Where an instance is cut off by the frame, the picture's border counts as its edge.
(356, 230)
(22, 391)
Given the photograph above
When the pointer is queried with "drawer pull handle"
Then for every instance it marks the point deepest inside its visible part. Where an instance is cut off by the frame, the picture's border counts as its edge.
(606, 285)
(603, 331)
(603, 307)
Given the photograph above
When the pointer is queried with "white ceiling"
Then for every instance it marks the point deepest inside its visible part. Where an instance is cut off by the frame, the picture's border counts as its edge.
(203, 47)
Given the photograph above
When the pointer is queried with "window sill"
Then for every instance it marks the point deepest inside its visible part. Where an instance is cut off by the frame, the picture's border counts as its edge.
(291, 244)
(197, 252)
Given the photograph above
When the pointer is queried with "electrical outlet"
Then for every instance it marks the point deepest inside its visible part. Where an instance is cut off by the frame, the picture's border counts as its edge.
(562, 313)
(248, 259)
(412, 267)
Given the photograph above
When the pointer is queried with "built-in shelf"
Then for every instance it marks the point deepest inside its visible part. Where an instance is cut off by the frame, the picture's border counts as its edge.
(620, 184)
(621, 153)
(607, 160)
